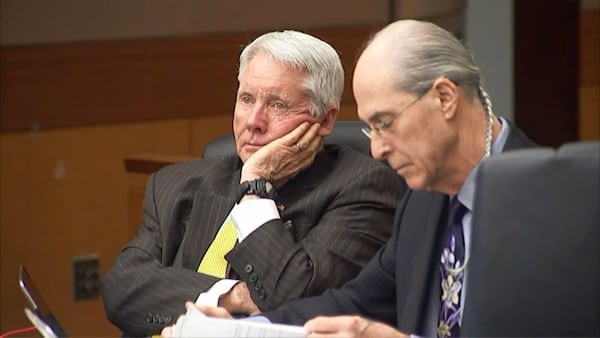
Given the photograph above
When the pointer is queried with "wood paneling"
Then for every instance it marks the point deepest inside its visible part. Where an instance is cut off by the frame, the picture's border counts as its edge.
(82, 84)
(589, 118)
(64, 194)
(589, 57)
(589, 75)
(547, 70)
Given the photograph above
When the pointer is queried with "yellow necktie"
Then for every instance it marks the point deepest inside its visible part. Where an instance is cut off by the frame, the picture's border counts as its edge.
(213, 263)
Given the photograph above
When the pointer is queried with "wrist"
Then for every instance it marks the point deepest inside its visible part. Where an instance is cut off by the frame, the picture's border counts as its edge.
(248, 197)
(260, 188)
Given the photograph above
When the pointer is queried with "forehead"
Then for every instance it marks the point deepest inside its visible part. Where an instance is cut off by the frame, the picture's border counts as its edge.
(374, 91)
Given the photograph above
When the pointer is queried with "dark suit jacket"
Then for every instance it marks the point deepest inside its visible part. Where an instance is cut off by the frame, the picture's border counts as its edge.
(397, 284)
(336, 215)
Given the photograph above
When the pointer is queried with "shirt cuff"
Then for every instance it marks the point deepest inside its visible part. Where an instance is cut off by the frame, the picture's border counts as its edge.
(211, 297)
(249, 215)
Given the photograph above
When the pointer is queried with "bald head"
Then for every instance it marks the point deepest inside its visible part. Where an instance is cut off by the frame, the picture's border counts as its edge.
(412, 54)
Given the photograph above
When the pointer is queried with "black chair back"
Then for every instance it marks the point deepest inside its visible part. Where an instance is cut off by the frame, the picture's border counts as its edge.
(534, 267)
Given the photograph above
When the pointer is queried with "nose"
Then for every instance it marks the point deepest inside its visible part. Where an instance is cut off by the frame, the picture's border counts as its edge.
(257, 119)
(379, 148)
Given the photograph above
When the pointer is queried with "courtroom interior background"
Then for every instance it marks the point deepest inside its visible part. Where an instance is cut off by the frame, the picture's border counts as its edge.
(85, 84)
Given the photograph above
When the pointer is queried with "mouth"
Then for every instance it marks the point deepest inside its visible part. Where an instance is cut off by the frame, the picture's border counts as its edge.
(399, 168)
(252, 146)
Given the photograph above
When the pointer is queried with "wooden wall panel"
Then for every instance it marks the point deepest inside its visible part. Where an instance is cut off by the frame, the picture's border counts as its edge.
(39, 21)
(589, 57)
(546, 64)
(82, 84)
(64, 194)
(589, 116)
(589, 75)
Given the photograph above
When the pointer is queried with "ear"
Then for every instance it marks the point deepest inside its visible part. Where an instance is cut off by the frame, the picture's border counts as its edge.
(446, 92)
(327, 122)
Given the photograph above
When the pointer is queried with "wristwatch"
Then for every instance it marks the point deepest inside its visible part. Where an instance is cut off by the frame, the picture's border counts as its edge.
(259, 187)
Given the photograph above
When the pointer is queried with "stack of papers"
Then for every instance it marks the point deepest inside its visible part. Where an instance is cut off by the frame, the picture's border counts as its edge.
(195, 324)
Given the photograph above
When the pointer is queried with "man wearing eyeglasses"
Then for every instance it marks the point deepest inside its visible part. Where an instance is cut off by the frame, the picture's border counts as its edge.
(419, 91)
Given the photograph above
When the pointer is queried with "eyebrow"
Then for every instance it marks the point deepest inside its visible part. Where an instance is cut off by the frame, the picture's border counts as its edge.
(241, 93)
(376, 116)
(269, 98)
(275, 97)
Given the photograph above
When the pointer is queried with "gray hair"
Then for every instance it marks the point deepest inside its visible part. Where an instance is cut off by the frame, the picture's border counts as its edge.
(423, 52)
(320, 61)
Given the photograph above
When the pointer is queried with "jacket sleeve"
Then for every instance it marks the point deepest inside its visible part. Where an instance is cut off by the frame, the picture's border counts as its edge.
(143, 292)
(371, 294)
(352, 224)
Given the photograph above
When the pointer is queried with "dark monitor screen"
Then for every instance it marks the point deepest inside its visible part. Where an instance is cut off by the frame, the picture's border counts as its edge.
(39, 313)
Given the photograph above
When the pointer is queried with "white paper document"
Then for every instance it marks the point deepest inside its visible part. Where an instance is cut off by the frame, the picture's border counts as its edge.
(195, 324)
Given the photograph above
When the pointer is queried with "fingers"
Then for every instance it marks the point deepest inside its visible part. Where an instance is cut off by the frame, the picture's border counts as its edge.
(350, 326)
(295, 135)
(337, 326)
(285, 157)
(309, 140)
(322, 325)
(167, 332)
(214, 311)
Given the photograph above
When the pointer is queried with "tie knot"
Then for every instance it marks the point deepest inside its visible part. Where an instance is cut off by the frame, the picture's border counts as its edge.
(457, 211)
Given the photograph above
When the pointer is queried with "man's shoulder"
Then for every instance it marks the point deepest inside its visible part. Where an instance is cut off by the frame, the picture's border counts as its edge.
(517, 138)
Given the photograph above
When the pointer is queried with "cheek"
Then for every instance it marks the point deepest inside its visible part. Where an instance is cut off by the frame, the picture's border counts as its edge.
(238, 127)
(278, 129)
(417, 145)
(239, 119)
(283, 125)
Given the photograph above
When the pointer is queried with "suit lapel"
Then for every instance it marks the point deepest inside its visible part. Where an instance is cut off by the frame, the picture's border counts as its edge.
(287, 195)
(423, 225)
(211, 206)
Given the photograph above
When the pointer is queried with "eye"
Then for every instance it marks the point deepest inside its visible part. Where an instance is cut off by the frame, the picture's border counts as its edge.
(384, 125)
(277, 107)
(245, 100)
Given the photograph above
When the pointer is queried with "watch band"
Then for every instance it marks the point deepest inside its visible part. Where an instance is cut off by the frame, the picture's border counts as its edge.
(259, 187)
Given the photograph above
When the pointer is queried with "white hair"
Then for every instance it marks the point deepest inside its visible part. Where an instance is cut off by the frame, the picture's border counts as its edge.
(320, 61)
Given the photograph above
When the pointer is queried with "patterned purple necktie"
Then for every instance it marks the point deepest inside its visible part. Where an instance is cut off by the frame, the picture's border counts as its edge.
(452, 264)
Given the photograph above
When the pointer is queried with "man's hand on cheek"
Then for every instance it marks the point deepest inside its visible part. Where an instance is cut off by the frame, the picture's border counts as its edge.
(284, 158)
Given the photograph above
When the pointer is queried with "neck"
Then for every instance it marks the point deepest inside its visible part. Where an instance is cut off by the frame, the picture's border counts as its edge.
(470, 147)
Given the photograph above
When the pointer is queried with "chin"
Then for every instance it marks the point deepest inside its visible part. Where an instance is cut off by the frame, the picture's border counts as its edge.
(417, 183)
(244, 156)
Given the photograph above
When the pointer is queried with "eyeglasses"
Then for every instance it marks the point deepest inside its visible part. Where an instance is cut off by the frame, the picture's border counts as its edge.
(384, 126)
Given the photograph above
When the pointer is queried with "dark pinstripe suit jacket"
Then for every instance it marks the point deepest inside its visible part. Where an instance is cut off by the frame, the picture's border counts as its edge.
(337, 214)
(397, 284)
